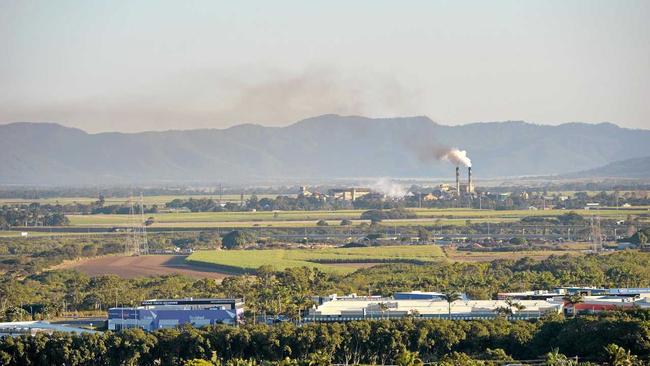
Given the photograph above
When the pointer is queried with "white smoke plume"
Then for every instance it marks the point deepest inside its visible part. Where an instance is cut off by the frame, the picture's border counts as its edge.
(456, 157)
(389, 188)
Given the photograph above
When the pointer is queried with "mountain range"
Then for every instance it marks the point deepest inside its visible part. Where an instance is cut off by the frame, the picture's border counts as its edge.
(323, 147)
(629, 168)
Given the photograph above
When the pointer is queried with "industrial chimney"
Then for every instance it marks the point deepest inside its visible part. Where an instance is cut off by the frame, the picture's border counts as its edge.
(458, 181)
(469, 180)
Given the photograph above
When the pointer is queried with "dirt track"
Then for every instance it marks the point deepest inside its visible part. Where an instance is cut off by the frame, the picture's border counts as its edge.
(142, 266)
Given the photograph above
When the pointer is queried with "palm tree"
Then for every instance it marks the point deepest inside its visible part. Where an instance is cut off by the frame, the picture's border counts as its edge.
(514, 306)
(383, 307)
(450, 296)
(555, 358)
(573, 300)
(406, 358)
(618, 356)
(503, 311)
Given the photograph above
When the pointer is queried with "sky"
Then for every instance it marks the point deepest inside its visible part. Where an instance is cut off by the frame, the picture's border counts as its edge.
(158, 65)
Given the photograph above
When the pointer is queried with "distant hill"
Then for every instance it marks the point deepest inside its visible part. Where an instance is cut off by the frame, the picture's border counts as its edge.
(629, 168)
(328, 146)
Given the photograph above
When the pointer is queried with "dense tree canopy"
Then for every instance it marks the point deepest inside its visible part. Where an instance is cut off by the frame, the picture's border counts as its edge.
(617, 336)
(236, 239)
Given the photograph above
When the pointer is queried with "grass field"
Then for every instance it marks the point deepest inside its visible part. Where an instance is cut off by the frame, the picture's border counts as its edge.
(31, 234)
(467, 256)
(309, 218)
(330, 259)
(148, 200)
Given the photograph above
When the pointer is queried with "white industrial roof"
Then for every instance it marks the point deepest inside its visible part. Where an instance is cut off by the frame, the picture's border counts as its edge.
(429, 307)
(41, 326)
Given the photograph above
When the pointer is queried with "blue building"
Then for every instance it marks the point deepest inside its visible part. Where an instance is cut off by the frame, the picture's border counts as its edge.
(170, 313)
(420, 295)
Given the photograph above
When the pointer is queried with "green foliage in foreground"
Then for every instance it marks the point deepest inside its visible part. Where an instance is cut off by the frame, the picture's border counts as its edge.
(620, 337)
(250, 260)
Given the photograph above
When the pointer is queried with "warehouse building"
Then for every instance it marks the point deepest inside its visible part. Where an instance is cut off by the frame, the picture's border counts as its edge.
(170, 313)
(348, 194)
(418, 295)
(33, 327)
(351, 308)
(599, 304)
(560, 292)
(533, 295)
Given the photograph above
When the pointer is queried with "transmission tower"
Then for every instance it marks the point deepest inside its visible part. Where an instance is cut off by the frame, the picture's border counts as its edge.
(136, 243)
(596, 234)
(143, 227)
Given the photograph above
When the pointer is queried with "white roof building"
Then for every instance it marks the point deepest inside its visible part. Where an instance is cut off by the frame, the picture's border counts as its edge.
(349, 309)
(33, 327)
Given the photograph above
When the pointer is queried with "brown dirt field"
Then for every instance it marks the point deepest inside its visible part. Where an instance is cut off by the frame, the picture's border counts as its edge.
(141, 266)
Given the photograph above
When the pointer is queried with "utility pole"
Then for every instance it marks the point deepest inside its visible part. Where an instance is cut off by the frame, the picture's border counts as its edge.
(145, 243)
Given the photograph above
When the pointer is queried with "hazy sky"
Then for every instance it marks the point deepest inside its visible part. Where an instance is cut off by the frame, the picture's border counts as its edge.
(142, 65)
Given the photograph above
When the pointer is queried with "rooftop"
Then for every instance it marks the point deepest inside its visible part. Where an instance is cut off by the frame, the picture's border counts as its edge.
(427, 307)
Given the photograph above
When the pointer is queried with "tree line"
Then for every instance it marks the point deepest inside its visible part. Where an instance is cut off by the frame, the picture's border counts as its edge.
(33, 214)
(622, 337)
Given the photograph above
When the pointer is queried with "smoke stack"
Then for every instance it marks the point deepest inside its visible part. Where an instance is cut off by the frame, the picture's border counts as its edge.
(469, 179)
(458, 180)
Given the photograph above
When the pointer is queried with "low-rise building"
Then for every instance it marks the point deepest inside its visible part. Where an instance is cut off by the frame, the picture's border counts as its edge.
(170, 313)
(532, 295)
(598, 304)
(348, 194)
(366, 308)
(418, 295)
(558, 293)
(37, 326)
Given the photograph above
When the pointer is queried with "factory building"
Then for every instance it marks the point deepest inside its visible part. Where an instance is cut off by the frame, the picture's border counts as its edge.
(349, 308)
(348, 194)
(464, 188)
(170, 313)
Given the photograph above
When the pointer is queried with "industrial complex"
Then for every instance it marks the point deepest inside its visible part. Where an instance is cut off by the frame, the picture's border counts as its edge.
(515, 305)
(171, 313)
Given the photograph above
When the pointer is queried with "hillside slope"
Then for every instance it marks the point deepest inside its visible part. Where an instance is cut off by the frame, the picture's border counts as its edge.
(629, 168)
(328, 146)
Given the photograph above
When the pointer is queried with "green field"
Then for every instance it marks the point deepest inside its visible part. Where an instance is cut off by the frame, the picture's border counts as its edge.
(31, 234)
(338, 260)
(148, 200)
(309, 218)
